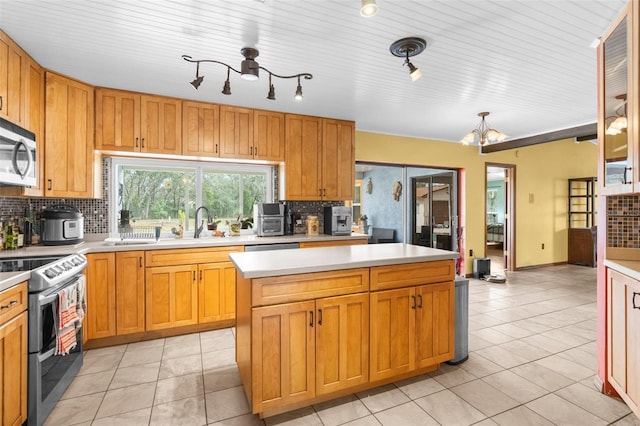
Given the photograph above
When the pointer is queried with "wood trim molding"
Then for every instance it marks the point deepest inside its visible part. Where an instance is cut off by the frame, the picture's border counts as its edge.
(584, 132)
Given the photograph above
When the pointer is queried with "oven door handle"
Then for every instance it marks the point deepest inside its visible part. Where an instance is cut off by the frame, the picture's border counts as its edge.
(45, 300)
(48, 354)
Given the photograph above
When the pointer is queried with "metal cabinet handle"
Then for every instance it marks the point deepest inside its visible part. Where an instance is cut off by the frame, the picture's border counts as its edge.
(200, 275)
(627, 172)
(136, 142)
(1, 103)
(143, 142)
(250, 150)
(194, 276)
(49, 184)
(319, 316)
(255, 150)
(414, 302)
(13, 302)
(311, 320)
(420, 301)
(216, 148)
(140, 262)
(633, 300)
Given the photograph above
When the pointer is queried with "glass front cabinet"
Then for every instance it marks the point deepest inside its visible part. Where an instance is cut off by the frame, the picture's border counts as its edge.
(618, 69)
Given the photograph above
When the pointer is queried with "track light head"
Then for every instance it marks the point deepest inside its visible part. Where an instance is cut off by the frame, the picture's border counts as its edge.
(298, 95)
(226, 90)
(197, 82)
(406, 48)
(369, 8)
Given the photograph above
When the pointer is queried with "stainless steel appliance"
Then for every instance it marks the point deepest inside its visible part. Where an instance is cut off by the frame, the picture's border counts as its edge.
(49, 375)
(268, 219)
(61, 224)
(270, 247)
(17, 155)
(337, 220)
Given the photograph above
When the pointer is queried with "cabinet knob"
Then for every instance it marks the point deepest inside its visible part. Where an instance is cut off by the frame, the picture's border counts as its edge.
(633, 300)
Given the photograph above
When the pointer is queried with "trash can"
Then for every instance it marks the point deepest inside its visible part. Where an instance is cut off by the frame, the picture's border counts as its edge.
(481, 267)
(461, 321)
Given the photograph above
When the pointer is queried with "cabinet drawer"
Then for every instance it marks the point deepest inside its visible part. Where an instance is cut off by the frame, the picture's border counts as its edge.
(293, 288)
(13, 301)
(396, 276)
(190, 256)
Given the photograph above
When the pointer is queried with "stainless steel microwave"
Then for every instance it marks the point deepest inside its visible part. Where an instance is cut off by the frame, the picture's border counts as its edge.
(17, 155)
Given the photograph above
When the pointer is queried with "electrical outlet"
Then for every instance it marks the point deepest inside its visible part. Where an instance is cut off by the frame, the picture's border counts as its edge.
(470, 253)
(542, 246)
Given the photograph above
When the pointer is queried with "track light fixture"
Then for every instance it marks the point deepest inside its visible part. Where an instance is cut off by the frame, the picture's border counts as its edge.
(249, 70)
(406, 48)
(483, 134)
(369, 8)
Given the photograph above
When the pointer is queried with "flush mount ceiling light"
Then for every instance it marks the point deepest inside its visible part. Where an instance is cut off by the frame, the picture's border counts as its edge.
(483, 134)
(406, 48)
(369, 8)
(249, 70)
(618, 123)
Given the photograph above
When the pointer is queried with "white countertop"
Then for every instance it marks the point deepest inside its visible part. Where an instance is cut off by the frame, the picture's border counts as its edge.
(299, 261)
(630, 268)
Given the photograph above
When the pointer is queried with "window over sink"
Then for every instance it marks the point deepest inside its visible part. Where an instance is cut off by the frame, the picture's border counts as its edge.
(166, 193)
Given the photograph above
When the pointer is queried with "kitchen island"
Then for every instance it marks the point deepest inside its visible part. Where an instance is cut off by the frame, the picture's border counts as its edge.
(316, 324)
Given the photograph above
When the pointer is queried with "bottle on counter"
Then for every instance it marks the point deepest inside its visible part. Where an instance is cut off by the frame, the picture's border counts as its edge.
(313, 226)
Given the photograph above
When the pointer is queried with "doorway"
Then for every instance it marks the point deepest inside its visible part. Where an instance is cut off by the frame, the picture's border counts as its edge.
(500, 217)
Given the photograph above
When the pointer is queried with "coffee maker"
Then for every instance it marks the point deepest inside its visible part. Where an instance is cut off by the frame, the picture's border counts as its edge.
(337, 220)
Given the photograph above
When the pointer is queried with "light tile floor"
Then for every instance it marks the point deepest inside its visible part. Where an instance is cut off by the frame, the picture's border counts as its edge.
(532, 361)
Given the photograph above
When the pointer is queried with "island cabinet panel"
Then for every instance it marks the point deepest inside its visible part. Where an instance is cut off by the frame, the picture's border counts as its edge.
(129, 292)
(101, 296)
(216, 292)
(282, 343)
(171, 296)
(289, 288)
(435, 324)
(396, 276)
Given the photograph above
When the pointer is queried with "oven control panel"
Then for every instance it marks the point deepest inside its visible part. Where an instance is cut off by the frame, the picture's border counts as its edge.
(56, 272)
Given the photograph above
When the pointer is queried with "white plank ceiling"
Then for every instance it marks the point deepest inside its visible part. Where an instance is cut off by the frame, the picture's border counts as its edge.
(528, 62)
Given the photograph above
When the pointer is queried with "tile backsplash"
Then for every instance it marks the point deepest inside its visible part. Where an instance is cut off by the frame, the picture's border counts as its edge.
(96, 211)
(623, 221)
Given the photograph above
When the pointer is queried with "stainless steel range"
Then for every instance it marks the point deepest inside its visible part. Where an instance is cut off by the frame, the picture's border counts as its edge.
(49, 373)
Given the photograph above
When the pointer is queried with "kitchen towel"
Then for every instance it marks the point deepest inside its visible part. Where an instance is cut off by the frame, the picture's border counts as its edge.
(81, 304)
(67, 301)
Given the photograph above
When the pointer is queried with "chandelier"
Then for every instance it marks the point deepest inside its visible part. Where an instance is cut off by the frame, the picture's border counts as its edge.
(249, 70)
(483, 134)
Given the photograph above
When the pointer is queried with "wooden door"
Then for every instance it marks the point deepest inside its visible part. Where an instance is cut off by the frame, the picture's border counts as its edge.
(268, 137)
(101, 295)
(283, 354)
(200, 129)
(69, 136)
(392, 333)
(13, 85)
(633, 345)
(13, 371)
(129, 292)
(216, 292)
(160, 125)
(117, 120)
(338, 159)
(236, 132)
(171, 296)
(342, 342)
(435, 324)
(302, 153)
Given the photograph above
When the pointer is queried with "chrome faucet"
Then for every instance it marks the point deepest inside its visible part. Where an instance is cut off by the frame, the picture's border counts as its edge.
(198, 230)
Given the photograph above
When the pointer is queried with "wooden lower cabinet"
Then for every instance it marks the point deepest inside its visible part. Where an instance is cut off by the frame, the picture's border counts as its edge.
(623, 335)
(216, 292)
(13, 370)
(171, 296)
(309, 348)
(101, 296)
(129, 292)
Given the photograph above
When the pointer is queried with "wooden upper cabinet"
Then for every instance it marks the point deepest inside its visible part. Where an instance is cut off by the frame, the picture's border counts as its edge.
(13, 81)
(200, 129)
(128, 121)
(338, 159)
(236, 132)
(268, 135)
(69, 136)
(303, 148)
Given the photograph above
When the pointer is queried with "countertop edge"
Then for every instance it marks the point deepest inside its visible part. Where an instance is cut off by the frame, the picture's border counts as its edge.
(630, 268)
(9, 279)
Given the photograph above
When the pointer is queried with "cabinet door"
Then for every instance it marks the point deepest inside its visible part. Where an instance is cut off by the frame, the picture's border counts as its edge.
(435, 322)
(338, 159)
(171, 296)
(617, 356)
(302, 154)
(236, 132)
(13, 65)
(200, 129)
(633, 345)
(216, 292)
(69, 136)
(283, 354)
(160, 125)
(129, 292)
(392, 333)
(342, 342)
(101, 295)
(117, 120)
(268, 139)
(13, 371)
